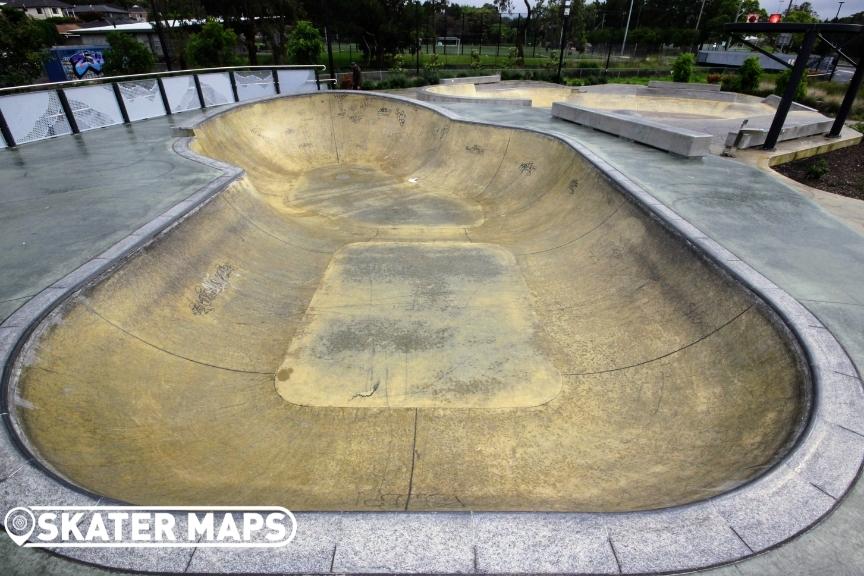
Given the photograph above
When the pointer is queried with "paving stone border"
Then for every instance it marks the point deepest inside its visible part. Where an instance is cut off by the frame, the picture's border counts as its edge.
(789, 498)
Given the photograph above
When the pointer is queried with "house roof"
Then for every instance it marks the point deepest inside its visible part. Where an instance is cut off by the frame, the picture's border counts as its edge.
(132, 27)
(108, 23)
(97, 9)
(23, 4)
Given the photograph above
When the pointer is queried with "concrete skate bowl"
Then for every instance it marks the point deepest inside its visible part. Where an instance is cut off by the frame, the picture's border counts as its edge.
(508, 92)
(394, 310)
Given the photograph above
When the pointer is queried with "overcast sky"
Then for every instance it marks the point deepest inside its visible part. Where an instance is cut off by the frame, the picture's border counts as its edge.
(826, 8)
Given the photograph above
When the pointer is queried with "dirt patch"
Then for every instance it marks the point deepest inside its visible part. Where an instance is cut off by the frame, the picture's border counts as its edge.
(840, 172)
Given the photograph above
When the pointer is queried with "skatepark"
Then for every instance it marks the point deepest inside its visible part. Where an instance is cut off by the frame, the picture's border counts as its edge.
(452, 336)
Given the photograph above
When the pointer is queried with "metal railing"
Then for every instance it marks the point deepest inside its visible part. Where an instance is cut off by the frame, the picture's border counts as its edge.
(39, 111)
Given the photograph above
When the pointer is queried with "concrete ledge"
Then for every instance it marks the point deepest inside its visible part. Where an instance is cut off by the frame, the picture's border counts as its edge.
(473, 80)
(774, 100)
(427, 95)
(678, 140)
(751, 137)
(684, 86)
(773, 508)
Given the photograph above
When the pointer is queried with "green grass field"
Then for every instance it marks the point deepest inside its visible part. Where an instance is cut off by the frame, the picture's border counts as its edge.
(490, 57)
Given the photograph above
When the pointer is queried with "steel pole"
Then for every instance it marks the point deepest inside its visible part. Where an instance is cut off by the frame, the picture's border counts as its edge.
(418, 45)
(849, 98)
(627, 28)
(794, 79)
(563, 38)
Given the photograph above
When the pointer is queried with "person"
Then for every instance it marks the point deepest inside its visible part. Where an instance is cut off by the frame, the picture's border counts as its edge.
(356, 77)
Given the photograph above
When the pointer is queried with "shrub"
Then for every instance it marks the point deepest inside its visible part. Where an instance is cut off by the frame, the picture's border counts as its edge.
(588, 65)
(783, 81)
(397, 81)
(127, 55)
(682, 69)
(212, 47)
(714, 78)
(750, 74)
(585, 81)
(398, 64)
(304, 44)
(512, 75)
(430, 75)
(432, 64)
(730, 83)
(475, 60)
(817, 169)
(513, 58)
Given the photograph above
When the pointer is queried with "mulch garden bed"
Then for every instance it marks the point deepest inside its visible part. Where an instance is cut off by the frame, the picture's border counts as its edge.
(840, 171)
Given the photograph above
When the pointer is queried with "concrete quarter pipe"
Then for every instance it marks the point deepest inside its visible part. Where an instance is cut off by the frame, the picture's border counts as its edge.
(396, 311)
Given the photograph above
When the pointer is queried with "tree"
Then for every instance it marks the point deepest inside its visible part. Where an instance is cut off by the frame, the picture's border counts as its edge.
(278, 14)
(802, 13)
(127, 55)
(522, 33)
(167, 16)
(783, 81)
(212, 47)
(750, 73)
(305, 43)
(243, 17)
(378, 25)
(22, 46)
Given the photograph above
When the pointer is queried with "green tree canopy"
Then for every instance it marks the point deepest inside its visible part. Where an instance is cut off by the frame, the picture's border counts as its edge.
(212, 47)
(305, 43)
(22, 46)
(127, 55)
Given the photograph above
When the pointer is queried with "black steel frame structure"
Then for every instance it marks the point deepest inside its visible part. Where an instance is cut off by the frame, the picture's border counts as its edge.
(812, 32)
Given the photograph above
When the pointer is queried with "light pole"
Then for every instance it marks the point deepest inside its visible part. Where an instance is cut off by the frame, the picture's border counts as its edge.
(837, 16)
(329, 39)
(563, 37)
(627, 28)
(699, 19)
(417, 43)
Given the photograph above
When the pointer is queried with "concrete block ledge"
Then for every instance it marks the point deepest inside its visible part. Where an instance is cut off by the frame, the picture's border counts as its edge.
(684, 86)
(751, 137)
(473, 80)
(771, 509)
(663, 136)
(427, 95)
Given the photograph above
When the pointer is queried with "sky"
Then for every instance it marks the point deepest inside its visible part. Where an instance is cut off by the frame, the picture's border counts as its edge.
(826, 8)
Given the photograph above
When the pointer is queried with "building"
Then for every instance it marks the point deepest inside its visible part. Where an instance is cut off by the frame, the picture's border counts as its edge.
(138, 13)
(41, 9)
(100, 12)
(143, 32)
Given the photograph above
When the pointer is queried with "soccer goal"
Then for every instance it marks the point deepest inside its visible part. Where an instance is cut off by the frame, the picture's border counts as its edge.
(448, 44)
